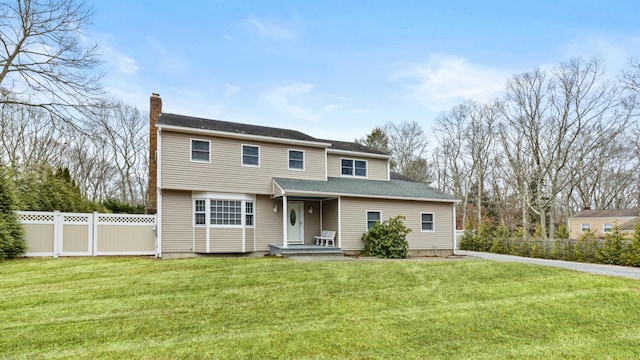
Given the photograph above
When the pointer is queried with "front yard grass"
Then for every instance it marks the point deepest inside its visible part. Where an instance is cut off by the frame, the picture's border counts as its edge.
(262, 308)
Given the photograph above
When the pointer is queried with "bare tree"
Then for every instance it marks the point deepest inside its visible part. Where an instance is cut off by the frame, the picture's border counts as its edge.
(44, 61)
(466, 136)
(123, 129)
(408, 145)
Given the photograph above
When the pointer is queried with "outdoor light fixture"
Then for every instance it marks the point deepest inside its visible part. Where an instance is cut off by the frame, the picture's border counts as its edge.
(310, 209)
(275, 208)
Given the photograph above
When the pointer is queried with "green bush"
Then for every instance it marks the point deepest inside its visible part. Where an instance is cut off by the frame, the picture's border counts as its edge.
(632, 256)
(387, 239)
(119, 207)
(614, 248)
(587, 247)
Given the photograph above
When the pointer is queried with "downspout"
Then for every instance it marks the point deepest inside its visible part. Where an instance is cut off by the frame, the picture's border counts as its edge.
(158, 155)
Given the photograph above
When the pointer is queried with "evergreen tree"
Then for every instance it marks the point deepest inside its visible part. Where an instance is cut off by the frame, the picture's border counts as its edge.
(12, 243)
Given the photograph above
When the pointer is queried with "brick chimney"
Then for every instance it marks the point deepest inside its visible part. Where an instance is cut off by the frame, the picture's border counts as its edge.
(155, 108)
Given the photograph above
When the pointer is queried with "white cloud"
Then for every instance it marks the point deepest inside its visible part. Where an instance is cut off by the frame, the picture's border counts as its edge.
(271, 29)
(614, 50)
(231, 90)
(444, 81)
(284, 99)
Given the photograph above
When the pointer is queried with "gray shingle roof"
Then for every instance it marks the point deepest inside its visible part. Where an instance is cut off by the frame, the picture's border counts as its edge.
(362, 187)
(608, 213)
(352, 146)
(231, 127)
(239, 128)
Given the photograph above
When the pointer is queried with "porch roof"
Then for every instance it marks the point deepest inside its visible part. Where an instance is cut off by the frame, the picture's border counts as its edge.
(393, 189)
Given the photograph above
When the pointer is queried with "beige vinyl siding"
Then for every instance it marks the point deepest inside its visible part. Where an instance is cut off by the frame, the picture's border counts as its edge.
(125, 238)
(75, 238)
(268, 226)
(376, 168)
(330, 216)
(225, 172)
(249, 239)
(39, 238)
(225, 240)
(597, 223)
(200, 239)
(311, 221)
(354, 224)
(177, 218)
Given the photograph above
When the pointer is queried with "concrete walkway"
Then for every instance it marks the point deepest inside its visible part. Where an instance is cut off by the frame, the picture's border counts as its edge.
(611, 270)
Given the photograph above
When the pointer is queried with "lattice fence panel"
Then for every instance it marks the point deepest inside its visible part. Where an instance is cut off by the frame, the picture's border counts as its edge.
(31, 218)
(126, 219)
(76, 219)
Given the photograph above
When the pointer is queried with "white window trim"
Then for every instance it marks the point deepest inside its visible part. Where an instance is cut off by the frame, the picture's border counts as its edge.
(604, 231)
(191, 140)
(433, 222)
(353, 174)
(582, 230)
(206, 213)
(289, 159)
(366, 218)
(217, 196)
(242, 156)
(244, 213)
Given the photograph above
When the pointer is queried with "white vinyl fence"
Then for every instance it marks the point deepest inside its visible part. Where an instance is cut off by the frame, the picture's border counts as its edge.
(88, 234)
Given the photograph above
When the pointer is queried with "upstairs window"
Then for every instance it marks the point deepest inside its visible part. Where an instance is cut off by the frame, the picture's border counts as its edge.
(607, 228)
(585, 228)
(373, 217)
(200, 150)
(351, 167)
(296, 160)
(250, 155)
(426, 220)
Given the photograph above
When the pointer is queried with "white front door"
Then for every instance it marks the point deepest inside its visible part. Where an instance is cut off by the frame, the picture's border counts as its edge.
(295, 223)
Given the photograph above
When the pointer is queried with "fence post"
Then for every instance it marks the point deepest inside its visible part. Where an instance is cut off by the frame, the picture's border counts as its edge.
(94, 233)
(57, 233)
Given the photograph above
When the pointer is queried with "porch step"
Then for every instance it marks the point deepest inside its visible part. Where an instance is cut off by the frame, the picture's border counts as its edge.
(304, 250)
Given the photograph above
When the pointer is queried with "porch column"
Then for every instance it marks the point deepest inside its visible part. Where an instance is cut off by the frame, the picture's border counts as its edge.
(284, 221)
(339, 223)
(455, 229)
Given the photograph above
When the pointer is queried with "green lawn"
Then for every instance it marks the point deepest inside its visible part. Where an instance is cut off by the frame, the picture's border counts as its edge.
(86, 308)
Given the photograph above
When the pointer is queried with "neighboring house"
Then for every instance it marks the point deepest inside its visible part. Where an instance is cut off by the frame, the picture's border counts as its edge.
(602, 221)
(224, 187)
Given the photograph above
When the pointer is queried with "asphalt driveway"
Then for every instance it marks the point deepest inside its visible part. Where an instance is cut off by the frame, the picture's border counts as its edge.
(611, 270)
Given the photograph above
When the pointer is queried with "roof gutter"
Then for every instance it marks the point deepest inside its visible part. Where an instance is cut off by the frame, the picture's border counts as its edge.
(243, 136)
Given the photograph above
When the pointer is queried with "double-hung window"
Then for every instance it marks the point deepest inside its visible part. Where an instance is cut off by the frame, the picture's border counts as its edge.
(585, 228)
(373, 217)
(200, 216)
(248, 213)
(200, 150)
(426, 221)
(250, 155)
(607, 228)
(296, 160)
(351, 167)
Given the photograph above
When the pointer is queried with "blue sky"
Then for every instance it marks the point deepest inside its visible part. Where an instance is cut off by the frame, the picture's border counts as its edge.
(336, 69)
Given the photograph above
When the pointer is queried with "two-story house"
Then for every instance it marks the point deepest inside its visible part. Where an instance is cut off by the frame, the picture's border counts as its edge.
(223, 187)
